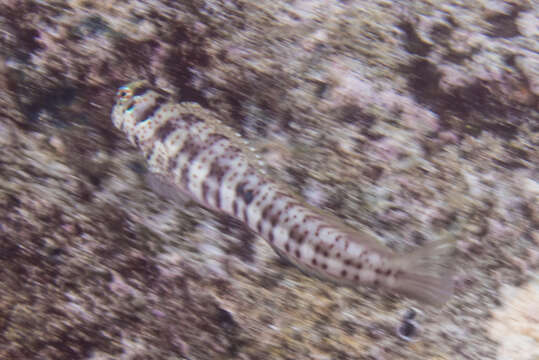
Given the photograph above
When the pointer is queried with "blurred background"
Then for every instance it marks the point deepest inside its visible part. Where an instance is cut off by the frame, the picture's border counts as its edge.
(406, 118)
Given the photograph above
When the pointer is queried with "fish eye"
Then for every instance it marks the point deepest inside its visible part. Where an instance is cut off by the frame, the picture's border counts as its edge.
(123, 93)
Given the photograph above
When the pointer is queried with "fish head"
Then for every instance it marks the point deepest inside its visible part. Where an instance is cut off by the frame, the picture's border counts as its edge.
(126, 100)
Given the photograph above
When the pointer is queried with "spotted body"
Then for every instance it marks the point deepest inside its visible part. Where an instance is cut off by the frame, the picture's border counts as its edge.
(190, 151)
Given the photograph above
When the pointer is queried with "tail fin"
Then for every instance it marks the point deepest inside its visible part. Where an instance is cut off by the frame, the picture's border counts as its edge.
(427, 273)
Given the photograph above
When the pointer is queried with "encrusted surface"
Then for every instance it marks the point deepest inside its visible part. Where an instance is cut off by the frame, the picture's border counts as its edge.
(406, 118)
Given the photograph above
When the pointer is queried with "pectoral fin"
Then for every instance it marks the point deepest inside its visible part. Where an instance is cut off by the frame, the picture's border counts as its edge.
(167, 189)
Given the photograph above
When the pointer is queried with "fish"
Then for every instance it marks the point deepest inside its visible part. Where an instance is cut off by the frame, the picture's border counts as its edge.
(192, 154)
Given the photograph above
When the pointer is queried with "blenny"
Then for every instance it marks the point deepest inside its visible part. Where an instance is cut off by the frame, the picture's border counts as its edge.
(190, 152)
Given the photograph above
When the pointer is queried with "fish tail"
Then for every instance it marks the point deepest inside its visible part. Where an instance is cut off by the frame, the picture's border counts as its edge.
(427, 273)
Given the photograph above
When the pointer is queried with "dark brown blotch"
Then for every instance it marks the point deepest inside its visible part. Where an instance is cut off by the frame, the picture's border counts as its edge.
(205, 191)
(235, 207)
(217, 171)
(150, 112)
(248, 197)
(150, 153)
(166, 129)
(266, 211)
(194, 150)
(301, 238)
(172, 163)
(243, 193)
(218, 199)
(275, 218)
(189, 146)
(184, 175)
(292, 234)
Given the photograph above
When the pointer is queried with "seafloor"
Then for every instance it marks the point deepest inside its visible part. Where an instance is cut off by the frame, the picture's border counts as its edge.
(407, 118)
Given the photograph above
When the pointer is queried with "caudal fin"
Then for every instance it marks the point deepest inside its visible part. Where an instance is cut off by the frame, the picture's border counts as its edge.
(427, 273)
